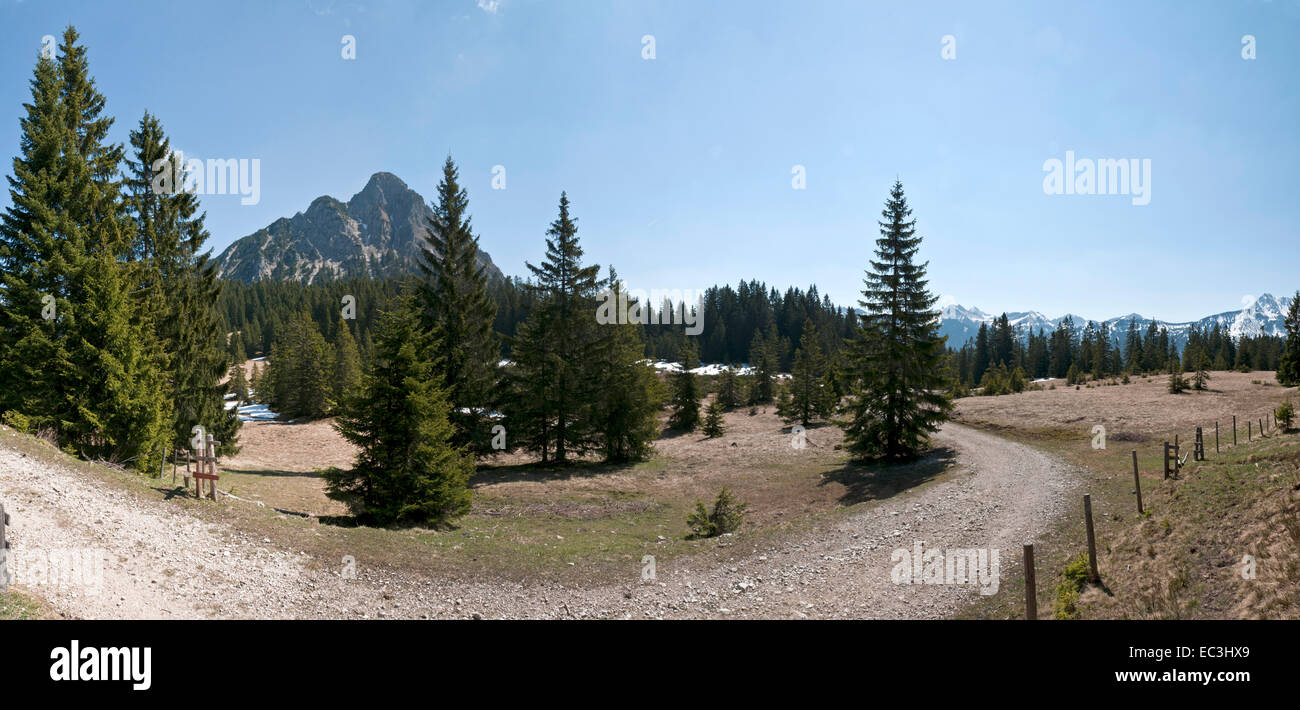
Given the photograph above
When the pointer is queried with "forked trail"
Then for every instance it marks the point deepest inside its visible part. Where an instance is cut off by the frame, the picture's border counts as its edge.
(161, 561)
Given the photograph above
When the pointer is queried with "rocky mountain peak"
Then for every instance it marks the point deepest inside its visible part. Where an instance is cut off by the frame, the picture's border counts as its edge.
(377, 233)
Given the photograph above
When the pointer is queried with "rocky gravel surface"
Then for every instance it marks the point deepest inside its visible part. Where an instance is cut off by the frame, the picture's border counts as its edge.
(161, 561)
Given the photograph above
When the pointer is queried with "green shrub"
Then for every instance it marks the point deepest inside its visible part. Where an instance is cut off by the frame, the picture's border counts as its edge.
(1073, 582)
(725, 517)
(20, 422)
(1285, 414)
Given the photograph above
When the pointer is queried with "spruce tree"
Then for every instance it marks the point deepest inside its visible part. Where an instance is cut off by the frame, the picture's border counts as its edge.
(1288, 365)
(458, 312)
(347, 364)
(686, 392)
(764, 358)
(178, 286)
(555, 377)
(1177, 383)
(630, 394)
(76, 352)
(407, 471)
(36, 262)
(238, 384)
(254, 381)
(714, 425)
(299, 378)
(729, 393)
(1201, 364)
(899, 354)
(811, 395)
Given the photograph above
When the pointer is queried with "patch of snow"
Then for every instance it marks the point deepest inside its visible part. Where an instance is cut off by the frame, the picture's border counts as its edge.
(256, 413)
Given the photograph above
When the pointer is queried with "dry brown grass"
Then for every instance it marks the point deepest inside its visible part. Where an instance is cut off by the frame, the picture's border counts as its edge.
(529, 519)
(278, 465)
(754, 458)
(1143, 407)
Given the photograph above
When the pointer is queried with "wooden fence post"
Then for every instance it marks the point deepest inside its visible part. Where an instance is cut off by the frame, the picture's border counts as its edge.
(1216, 436)
(1031, 587)
(1137, 482)
(1234, 430)
(1198, 447)
(1249, 435)
(1092, 540)
(1261, 427)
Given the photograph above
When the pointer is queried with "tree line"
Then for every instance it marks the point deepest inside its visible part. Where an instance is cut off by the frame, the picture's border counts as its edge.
(255, 313)
(1001, 352)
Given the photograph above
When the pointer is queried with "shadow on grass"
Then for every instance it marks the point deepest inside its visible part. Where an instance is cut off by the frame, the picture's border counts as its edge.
(271, 473)
(169, 492)
(877, 481)
(540, 473)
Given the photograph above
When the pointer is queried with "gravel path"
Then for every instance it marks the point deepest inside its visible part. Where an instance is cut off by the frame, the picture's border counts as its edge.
(160, 561)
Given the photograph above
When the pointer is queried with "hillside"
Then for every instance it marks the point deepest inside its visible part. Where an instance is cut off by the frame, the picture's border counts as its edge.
(1185, 556)
(375, 234)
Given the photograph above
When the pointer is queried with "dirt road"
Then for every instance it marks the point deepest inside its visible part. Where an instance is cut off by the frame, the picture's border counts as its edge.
(161, 561)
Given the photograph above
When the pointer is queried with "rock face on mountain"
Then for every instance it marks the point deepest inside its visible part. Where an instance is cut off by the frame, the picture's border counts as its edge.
(377, 233)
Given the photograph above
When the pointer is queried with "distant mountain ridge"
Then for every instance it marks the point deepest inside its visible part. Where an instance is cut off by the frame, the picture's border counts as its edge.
(377, 233)
(1262, 316)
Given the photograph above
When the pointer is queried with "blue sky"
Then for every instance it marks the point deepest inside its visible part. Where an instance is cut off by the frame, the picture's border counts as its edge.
(679, 168)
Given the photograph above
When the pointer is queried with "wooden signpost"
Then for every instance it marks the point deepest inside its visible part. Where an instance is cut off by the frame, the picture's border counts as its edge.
(207, 468)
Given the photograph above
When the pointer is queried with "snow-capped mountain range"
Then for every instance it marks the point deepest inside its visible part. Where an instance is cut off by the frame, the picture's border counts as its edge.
(1262, 316)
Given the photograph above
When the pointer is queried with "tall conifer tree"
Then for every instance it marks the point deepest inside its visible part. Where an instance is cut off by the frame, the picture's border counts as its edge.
(686, 392)
(407, 471)
(178, 288)
(347, 363)
(810, 393)
(1288, 365)
(899, 353)
(76, 352)
(459, 313)
(554, 380)
(630, 394)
